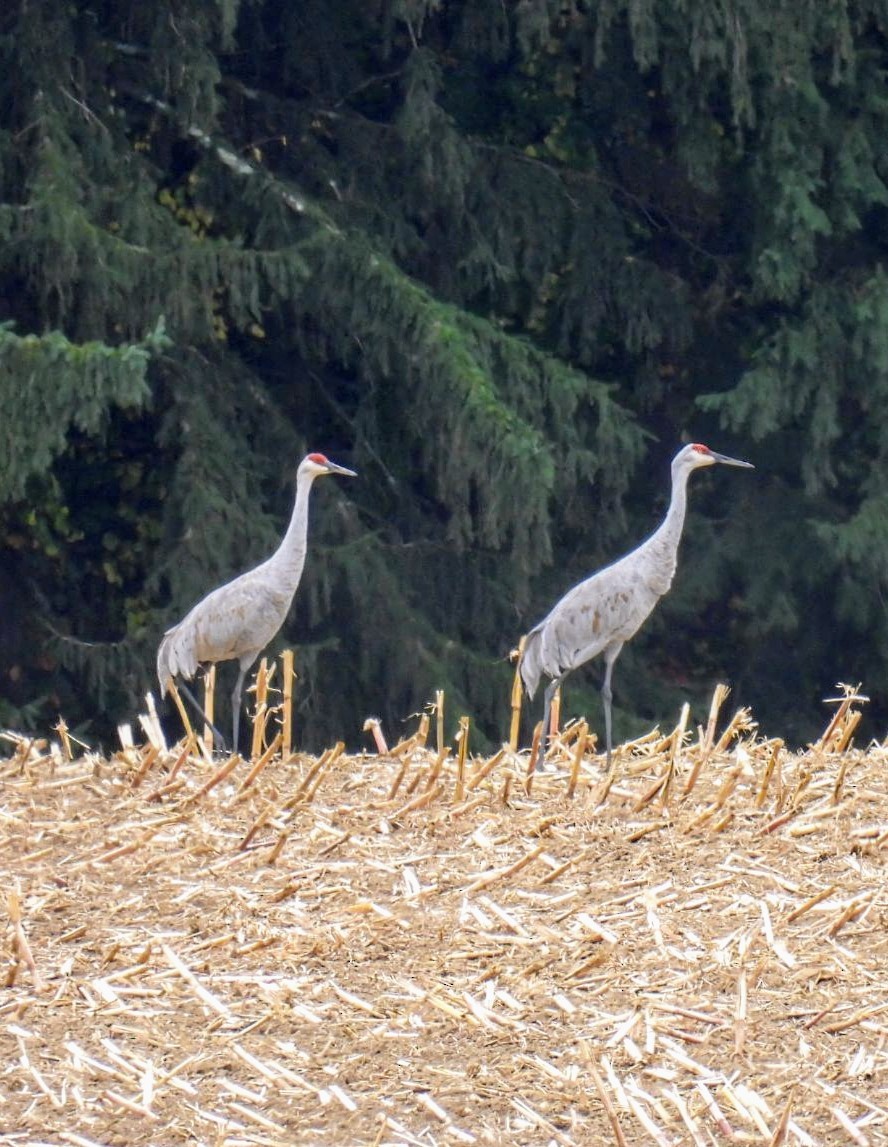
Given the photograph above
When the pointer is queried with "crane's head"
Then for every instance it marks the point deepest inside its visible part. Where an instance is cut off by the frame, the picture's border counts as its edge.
(314, 465)
(695, 455)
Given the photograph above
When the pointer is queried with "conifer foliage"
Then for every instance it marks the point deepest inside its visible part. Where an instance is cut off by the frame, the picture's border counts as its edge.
(500, 259)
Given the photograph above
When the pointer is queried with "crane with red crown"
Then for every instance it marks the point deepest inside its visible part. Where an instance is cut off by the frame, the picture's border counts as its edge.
(237, 620)
(601, 613)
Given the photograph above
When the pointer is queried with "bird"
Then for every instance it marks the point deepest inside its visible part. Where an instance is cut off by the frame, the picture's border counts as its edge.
(601, 613)
(238, 619)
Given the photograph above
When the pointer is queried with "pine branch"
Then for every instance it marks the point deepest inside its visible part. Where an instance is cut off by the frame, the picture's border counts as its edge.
(477, 444)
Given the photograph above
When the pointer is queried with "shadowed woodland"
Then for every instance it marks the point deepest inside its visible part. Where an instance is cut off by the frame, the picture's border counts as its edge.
(502, 260)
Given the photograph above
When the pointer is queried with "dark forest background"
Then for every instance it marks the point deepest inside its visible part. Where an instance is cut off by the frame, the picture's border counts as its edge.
(501, 258)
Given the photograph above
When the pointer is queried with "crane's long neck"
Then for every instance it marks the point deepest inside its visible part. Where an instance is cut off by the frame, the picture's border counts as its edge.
(289, 558)
(664, 541)
(673, 524)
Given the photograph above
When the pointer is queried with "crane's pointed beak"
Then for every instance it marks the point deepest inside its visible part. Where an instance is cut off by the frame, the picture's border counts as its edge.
(732, 461)
(333, 468)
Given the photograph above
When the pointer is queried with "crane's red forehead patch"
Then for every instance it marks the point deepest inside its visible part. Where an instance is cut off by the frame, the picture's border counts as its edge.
(701, 449)
(318, 458)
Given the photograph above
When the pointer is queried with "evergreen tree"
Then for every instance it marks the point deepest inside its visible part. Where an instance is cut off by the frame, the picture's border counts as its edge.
(492, 256)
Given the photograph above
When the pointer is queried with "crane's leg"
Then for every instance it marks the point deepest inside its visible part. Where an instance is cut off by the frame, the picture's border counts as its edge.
(548, 698)
(218, 739)
(236, 704)
(607, 695)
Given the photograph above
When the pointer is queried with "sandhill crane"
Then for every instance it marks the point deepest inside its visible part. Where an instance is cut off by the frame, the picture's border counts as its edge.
(237, 620)
(600, 614)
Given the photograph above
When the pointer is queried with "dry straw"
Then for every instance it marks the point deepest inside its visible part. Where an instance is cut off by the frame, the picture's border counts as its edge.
(209, 706)
(420, 946)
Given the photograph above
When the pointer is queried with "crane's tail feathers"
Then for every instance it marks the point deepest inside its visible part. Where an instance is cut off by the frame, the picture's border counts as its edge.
(175, 658)
(531, 668)
(163, 673)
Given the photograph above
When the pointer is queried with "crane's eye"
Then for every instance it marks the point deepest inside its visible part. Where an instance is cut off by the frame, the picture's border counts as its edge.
(701, 449)
(318, 459)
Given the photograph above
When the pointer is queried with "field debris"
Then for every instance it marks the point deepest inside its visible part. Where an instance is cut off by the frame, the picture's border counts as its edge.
(421, 946)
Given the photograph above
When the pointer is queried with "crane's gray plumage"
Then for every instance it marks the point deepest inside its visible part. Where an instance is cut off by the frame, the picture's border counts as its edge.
(600, 614)
(237, 620)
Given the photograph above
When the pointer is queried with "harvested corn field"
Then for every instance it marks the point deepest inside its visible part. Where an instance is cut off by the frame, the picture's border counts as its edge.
(418, 946)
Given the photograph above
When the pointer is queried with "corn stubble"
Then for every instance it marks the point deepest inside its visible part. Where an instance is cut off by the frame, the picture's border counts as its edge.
(420, 944)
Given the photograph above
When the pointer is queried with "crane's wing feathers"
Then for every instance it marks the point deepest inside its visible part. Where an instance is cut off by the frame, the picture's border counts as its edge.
(605, 609)
(234, 621)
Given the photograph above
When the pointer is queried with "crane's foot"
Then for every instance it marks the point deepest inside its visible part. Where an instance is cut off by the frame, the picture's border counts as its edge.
(541, 765)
